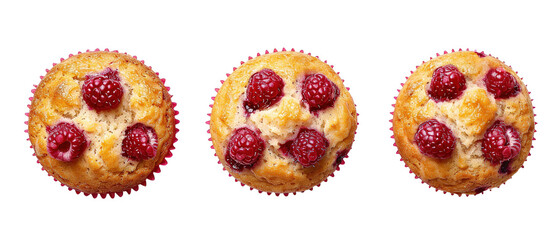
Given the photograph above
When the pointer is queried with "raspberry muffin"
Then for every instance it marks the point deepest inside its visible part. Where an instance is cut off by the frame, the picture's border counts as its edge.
(463, 122)
(101, 122)
(283, 122)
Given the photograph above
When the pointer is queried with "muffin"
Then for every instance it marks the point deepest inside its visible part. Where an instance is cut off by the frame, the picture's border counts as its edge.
(101, 122)
(282, 122)
(463, 122)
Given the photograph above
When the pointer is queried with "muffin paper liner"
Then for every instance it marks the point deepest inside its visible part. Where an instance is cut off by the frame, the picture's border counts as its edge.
(392, 127)
(156, 169)
(210, 139)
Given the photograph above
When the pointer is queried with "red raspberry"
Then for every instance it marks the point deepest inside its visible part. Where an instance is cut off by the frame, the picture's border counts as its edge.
(309, 147)
(264, 89)
(435, 139)
(448, 83)
(500, 143)
(481, 54)
(319, 92)
(102, 91)
(501, 83)
(244, 149)
(66, 142)
(140, 142)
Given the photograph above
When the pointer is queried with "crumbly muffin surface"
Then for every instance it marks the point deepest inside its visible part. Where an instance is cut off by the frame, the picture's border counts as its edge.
(281, 122)
(101, 168)
(469, 116)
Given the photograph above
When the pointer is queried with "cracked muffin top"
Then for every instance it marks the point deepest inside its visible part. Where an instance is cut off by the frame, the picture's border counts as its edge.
(283, 122)
(101, 122)
(463, 122)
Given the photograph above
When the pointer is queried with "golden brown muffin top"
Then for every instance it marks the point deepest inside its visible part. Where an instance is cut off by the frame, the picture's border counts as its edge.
(101, 168)
(468, 116)
(281, 122)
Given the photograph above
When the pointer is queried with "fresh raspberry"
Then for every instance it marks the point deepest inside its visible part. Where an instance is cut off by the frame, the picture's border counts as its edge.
(264, 89)
(102, 91)
(481, 54)
(501, 83)
(309, 147)
(319, 92)
(435, 139)
(500, 143)
(448, 83)
(66, 142)
(244, 149)
(140, 142)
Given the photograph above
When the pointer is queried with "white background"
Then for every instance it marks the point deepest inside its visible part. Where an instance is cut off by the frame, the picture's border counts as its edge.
(193, 45)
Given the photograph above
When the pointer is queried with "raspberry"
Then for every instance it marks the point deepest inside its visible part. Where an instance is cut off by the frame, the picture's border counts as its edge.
(501, 83)
(435, 139)
(140, 142)
(66, 142)
(448, 83)
(264, 89)
(244, 149)
(505, 168)
(340, 155)
(102, 91)
(500, 143)
(481, 54)
(309, 147)
(481, 189)
(319, 92)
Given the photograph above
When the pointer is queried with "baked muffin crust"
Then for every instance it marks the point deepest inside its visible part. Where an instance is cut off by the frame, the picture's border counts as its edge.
(101, 168)
(279, 123)
(468, 116)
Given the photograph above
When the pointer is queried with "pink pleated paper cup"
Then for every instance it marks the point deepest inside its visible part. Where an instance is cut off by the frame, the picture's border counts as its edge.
(463, 122)
(101, 123)
(266, 112)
